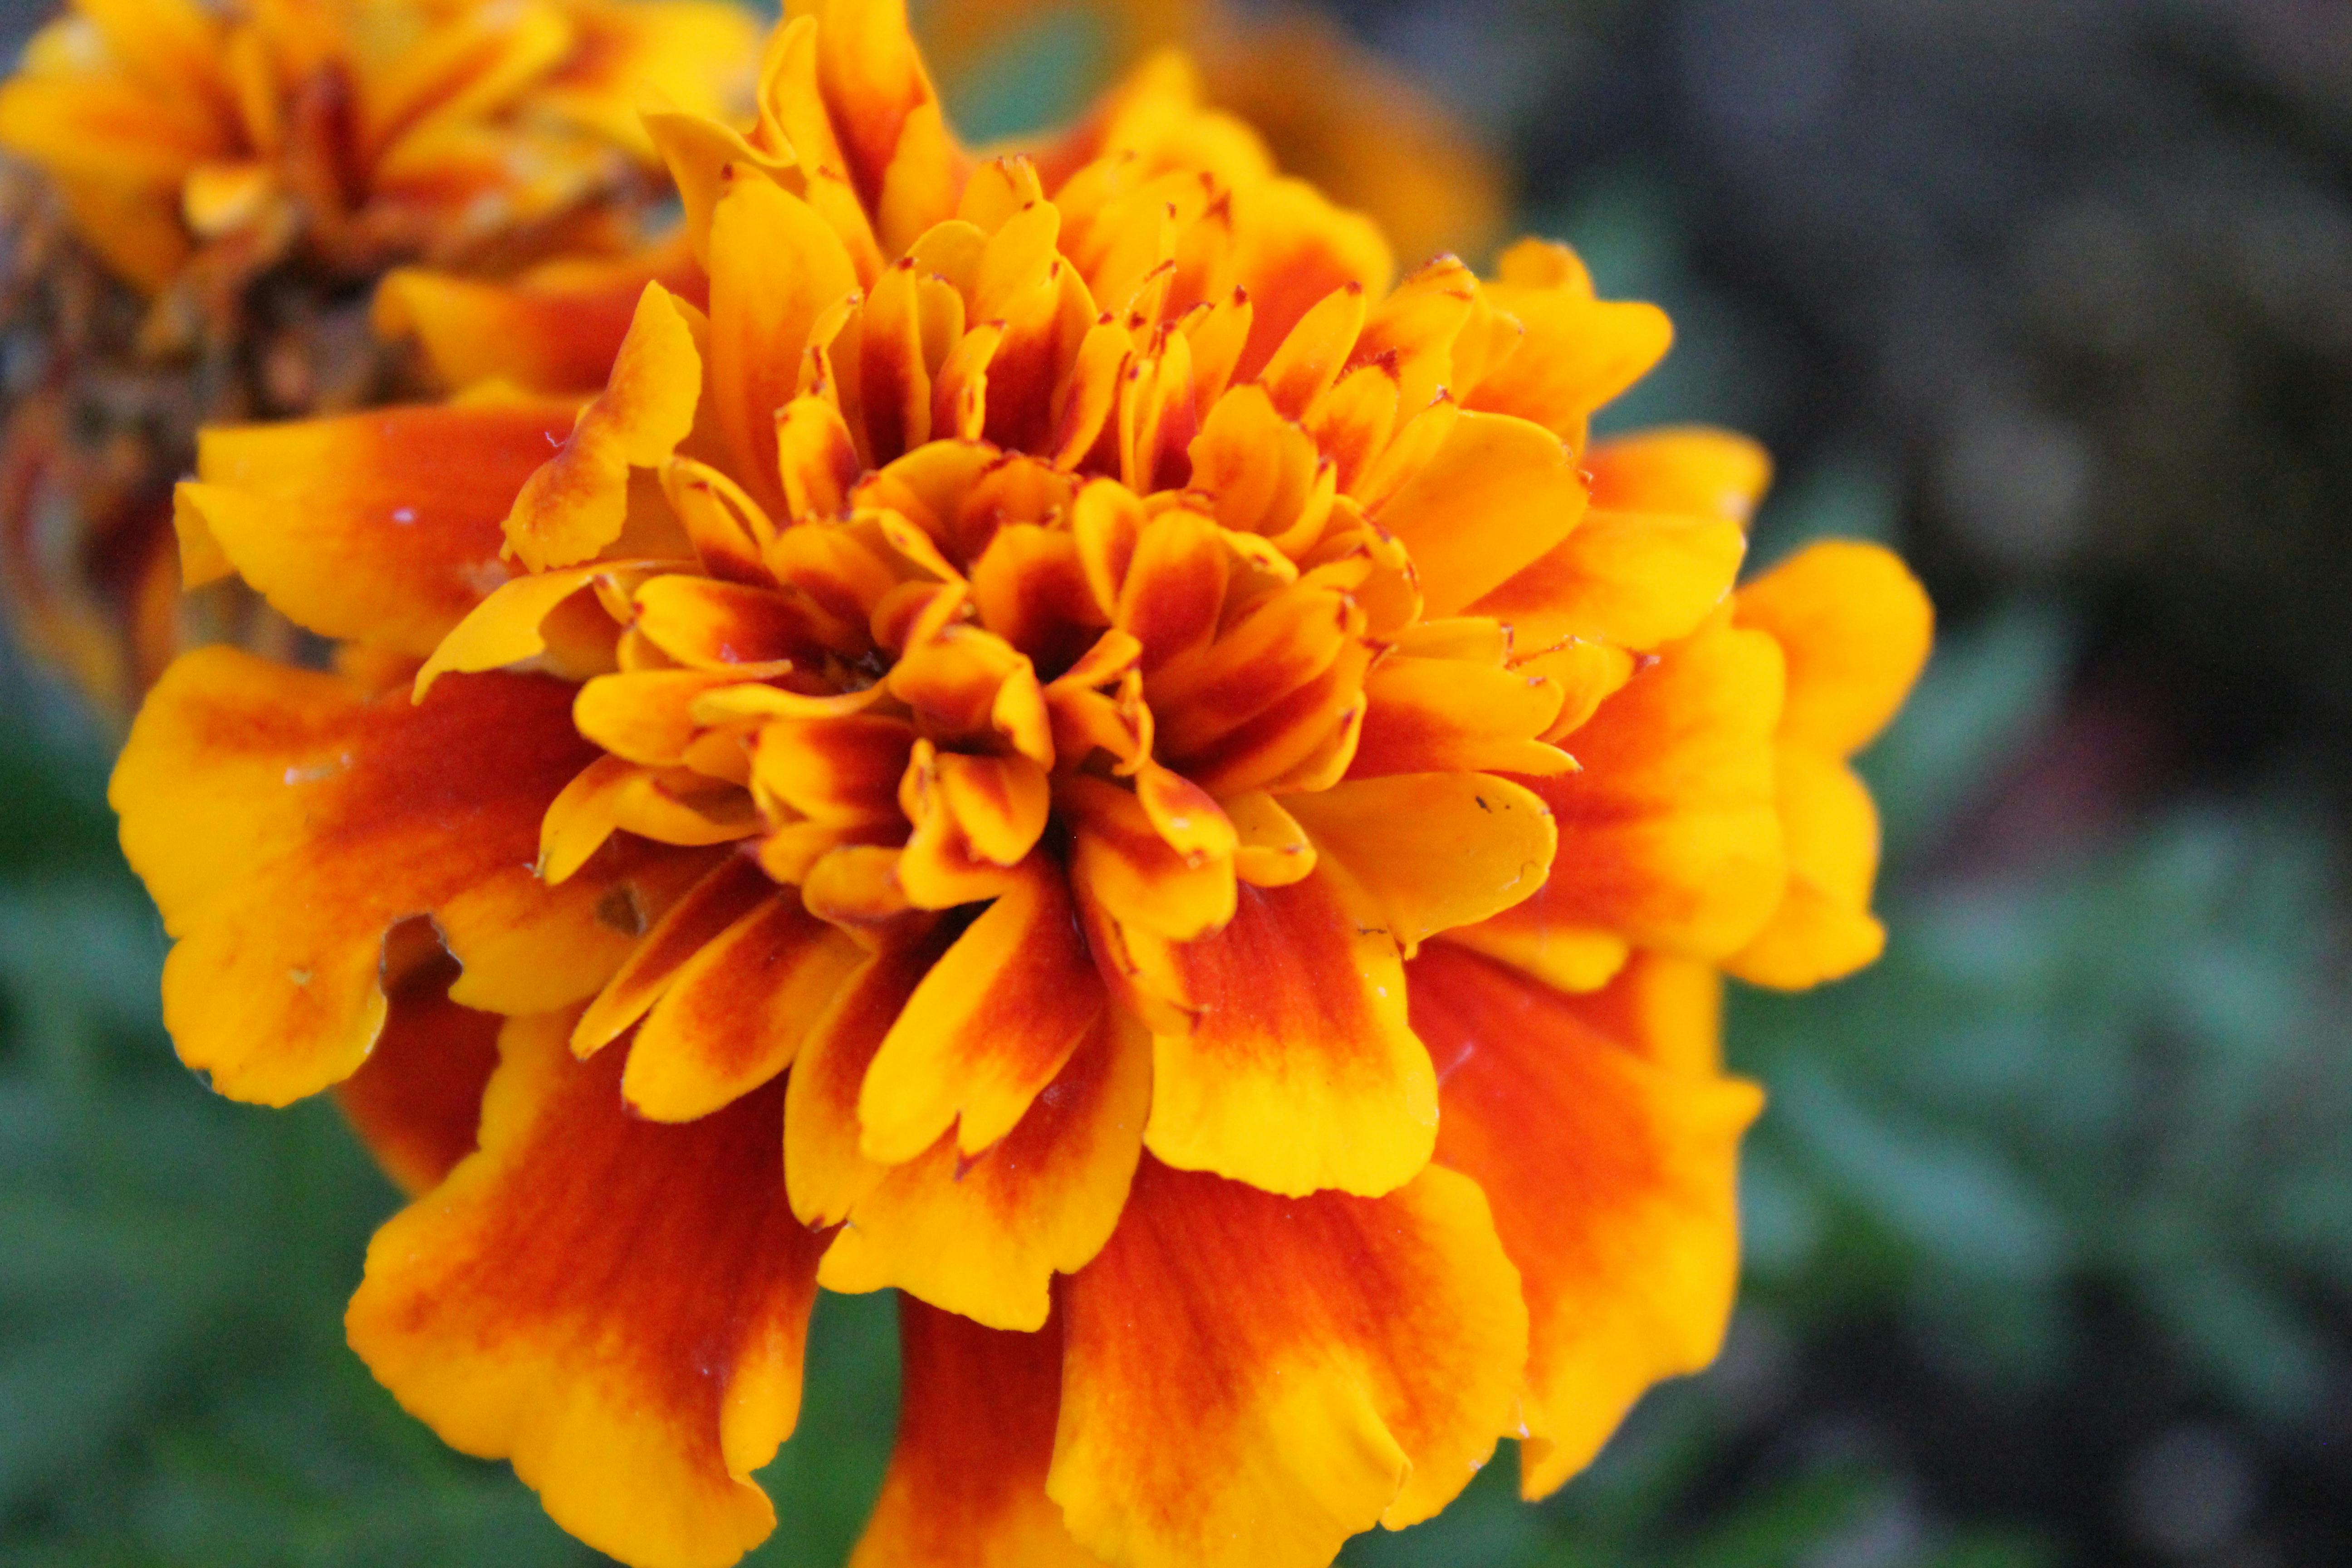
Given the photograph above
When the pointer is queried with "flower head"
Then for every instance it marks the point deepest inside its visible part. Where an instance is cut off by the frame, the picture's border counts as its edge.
(359, 130)
(1069, 746)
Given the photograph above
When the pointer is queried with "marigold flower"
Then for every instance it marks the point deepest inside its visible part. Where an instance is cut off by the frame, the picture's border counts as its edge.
(244, 170)
(1332, 110)
(1069, 747)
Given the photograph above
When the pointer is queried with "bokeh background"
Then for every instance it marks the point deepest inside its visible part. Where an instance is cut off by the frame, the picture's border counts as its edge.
(2050, 1221)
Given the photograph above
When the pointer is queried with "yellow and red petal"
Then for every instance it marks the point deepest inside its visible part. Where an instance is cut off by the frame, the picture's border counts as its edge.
(1330, 1362)
(555, 328)
(1855, 626)
(1670, 835)
(283, 826)
(989, 1028)
(417, 1099)
(966, 1486)
(383, 527)
(734, 1014)
(1633, 579)
(1497, 495)
(825, 1170)
(983, 1235)
(618, 1307)
(1611, 1180)
(577, 503)
(1294, 1069)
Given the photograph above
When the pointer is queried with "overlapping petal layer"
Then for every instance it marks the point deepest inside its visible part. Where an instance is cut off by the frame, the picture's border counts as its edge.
(1062, 746)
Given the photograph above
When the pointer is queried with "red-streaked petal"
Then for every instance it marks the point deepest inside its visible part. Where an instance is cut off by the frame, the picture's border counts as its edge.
(384, 527)
(1612, 1181)
(988, 1026)
(416, 1099)
(1297, 1071)
(985, 1235)
(1330, 1362)
(283, 826)
(618, 1307)
(824, 1168)
(735, 1014)
(966, 1486)
(1669, 836)
(1633, 579)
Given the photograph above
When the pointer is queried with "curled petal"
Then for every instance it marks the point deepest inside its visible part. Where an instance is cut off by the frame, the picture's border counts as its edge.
(577, 503)
(416, 1101)
(618, 1307)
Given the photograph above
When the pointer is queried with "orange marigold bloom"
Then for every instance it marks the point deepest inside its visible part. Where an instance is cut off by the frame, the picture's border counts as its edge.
(202, 196)
(1070, 747)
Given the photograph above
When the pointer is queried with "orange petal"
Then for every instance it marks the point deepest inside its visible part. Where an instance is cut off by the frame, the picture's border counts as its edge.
(1432, 851)
(577, 503)
(1578, 351)
(966, 1486)
(1855, 626)
(985, 1235)
(383, 527)
(732, 889)
(735, 1014)
(824, 1168)
(1428, 715)
(988, 1027)
(1612, 1182)
(1293, 248)
(1633, 579)
(1497, 495)
(618, 1307)
(1689, 470)
(708, 624)
(775, 266)
(283, 826)
(1297, 1071)
(557, 328)
(1669, 836)
(1824, 929)
(416, 1101)
(1123, 863)
(1331, 1361)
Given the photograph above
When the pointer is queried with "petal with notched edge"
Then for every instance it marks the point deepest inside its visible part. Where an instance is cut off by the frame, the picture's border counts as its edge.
(1330, 1362)
(1855, 626)
(1612, 1182)
(985, 1235)
(1297, 1071)
(1669, 836)
(988, 1026)
(382, 527)
(966, 1486)
(283, 826)
(618, 1308)
(416, 1101)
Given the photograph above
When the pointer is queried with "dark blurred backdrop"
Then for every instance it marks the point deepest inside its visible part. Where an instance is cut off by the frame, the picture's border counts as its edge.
(2050, 1221)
